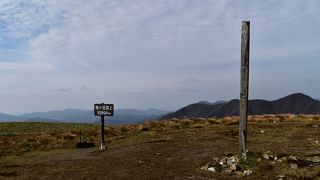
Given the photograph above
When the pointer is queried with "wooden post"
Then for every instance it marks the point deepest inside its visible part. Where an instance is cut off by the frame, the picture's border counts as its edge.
(245, 46)
(102, 133)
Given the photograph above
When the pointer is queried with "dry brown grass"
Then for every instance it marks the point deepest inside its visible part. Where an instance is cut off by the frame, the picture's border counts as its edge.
(63, 135)
(169, 148)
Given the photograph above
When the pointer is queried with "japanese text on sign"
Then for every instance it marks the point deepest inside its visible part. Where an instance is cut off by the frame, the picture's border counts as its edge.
(103, 109)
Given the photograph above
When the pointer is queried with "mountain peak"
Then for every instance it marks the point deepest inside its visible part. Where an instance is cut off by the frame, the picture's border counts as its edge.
(296, 103)
(297, 97)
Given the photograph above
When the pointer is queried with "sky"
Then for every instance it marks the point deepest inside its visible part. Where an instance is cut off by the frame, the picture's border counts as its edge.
(144, 54)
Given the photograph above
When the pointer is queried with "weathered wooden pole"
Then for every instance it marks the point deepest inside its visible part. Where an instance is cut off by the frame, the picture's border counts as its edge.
(102, 133)
(244, 89)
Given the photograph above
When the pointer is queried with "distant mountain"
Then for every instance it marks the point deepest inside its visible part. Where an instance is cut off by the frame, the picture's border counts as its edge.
(70, 115)
(295, 104)
(209, 103)
(132, 116)
(121, 116)
(7, 117)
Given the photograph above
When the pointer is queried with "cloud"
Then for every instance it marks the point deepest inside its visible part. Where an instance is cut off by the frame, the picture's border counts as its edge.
(63, 90)
(84, 88)
(8, 66)
(120, 46)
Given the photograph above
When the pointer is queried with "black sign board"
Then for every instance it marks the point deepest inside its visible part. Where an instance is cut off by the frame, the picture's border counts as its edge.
(103, 109)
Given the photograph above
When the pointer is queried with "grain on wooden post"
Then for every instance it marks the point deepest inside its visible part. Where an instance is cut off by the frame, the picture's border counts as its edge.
(244, 85)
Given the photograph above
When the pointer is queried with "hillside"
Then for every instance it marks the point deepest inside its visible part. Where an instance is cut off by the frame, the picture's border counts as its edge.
(170, 149)
(121, 116)
(295, 104)
(8, 117)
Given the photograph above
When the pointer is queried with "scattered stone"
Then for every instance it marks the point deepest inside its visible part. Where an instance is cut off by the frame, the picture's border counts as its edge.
(316, 159)
(272, 163)
(281, 177)
(233, 167)
(224, 160)
(262, 131)
(221, 163)
(211, 169)
(247, 172)
(259, 159)
(293, 158)
(315, 126)
(239, 173)
(283, 159)
(294, 166)
(275, 158)
(205, 167)
(232, 159)
(229, 163)
(265, 156)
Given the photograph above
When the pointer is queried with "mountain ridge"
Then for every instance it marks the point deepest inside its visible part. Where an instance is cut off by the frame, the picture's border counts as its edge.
(121, 116)
(296, 103)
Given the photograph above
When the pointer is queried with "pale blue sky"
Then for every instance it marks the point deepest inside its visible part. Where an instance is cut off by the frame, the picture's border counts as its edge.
(152, 53)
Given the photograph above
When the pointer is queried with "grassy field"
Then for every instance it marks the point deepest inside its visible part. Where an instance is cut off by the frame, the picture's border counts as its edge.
(172, 149)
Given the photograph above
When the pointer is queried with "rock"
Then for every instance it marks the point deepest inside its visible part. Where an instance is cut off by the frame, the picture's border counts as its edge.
(229, 163)
(262, 131)
(315, 159)
(232, 159)
(224, 160)
(247, 172)
(272, 163)
(233, 167)
(275, 158)
(221, 163)
(315, 126)
(281, 177)
(294, 166)
(239, 173)
(293, 158)
(259, 159)
(283, 159)
(211, 169)
(265, 156)
(205, 167)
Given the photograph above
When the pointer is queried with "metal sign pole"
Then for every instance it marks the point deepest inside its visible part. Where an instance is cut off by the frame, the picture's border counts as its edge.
(103, 110)
(102, 133)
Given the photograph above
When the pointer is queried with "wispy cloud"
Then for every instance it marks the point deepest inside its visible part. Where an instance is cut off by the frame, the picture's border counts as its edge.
(117, 46)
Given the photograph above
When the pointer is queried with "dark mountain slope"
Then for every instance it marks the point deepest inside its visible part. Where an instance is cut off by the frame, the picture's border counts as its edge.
(295, 104)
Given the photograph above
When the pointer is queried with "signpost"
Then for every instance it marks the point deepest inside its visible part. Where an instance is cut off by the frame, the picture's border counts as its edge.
(103, 110)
